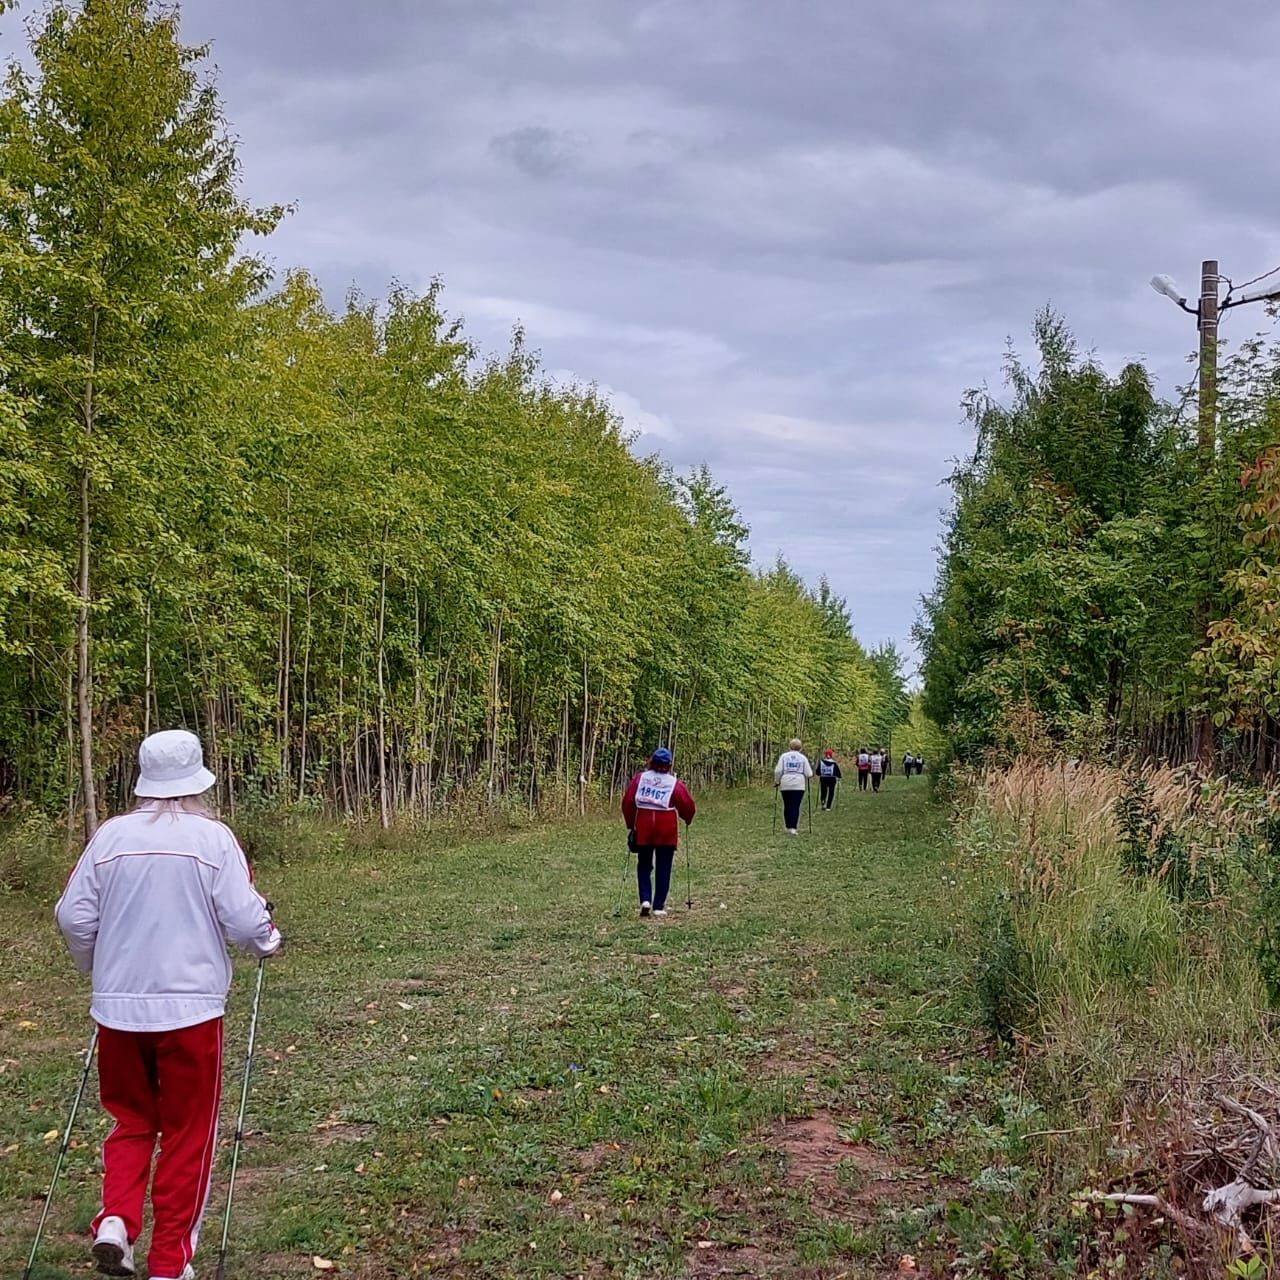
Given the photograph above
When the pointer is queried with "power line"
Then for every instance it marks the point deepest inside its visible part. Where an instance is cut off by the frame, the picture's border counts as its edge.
(1265, 275)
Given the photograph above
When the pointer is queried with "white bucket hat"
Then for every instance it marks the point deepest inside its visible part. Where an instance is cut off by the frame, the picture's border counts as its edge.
(171, 763)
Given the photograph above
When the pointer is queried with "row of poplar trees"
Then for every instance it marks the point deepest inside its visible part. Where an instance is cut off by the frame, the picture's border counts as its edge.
(372, 569)
(1109, 582)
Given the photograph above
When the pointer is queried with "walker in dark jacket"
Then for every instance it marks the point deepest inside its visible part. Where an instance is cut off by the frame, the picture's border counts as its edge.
(828, 775)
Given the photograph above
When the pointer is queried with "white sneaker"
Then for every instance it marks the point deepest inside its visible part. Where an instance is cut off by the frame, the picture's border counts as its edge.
(645, 908)
(659, 911)
(111, 1248)
(791, 831)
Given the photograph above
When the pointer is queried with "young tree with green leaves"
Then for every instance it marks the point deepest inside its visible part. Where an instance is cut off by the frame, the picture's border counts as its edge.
(121, 228)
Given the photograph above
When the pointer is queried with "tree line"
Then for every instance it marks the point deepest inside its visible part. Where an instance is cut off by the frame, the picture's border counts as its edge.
(1107, 582)
(374, 569)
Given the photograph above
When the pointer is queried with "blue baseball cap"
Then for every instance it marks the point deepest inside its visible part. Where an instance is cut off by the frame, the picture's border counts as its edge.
(661, 756)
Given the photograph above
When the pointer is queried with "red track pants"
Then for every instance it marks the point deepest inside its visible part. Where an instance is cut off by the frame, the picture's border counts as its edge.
(163, 1084)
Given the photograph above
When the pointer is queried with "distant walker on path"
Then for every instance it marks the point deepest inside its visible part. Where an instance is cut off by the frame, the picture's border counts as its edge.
(791, 777)
(828, 777)
(654, 802)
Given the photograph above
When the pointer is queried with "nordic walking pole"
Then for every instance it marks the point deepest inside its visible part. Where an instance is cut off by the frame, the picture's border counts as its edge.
(808, 796)
(62, 1151)
(773, 829)
(626, 877)
(688, 870)
(221, 1273)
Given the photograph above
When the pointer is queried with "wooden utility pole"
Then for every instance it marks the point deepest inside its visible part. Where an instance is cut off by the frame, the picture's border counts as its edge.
(1208, 312)
(1208, 326)
(1207, 322)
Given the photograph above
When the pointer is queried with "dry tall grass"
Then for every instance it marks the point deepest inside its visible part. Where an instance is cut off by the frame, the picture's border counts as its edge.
(1122, 955)
(1102, 968)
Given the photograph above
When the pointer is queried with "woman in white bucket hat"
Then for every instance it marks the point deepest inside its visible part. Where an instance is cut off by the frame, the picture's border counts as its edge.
(148, 911)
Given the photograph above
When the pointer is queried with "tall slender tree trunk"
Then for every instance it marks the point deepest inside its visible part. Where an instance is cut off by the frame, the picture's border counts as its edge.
(340, 746)
(69, 713)
(494, 695)
(416, 735)
(582, 746)
(564, 752)
(384, 800)
(306, 704)
(84, 668)
(286, 652)
(146, 686)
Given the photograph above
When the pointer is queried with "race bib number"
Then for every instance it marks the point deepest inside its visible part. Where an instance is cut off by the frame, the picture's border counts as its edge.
(654, 790)
(793, 762)
(828, 769)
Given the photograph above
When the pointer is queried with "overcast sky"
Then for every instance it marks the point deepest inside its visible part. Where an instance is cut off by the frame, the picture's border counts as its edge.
(783, 237)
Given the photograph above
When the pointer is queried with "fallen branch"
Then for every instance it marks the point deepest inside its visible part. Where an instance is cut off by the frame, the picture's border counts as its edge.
(1158, 1203)
(1228, 1205)
(1266, 1139)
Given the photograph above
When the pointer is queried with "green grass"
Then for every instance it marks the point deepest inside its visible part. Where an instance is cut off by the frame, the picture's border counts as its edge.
(453, 1037)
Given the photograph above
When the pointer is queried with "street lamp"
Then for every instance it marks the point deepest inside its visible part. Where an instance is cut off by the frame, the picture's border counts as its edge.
(1165, 285)
(1207, 313)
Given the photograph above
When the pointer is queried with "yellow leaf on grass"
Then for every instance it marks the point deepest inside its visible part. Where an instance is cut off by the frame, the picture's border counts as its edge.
(323, 1264)
(52, 1135)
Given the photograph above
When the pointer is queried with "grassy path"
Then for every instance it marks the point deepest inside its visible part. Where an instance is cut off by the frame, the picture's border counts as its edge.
(470, 1067)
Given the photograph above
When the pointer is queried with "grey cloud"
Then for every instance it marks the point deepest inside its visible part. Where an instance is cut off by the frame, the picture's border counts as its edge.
(538, 152)
(782, 238)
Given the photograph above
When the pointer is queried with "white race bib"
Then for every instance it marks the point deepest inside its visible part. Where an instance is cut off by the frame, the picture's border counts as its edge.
(654, 790)
(793, 762)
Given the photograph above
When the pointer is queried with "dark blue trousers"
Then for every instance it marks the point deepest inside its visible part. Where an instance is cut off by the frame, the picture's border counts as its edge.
(649, 892)
(791, 801)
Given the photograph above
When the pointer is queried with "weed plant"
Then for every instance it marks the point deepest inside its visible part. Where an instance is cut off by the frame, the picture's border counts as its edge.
(1123, 922)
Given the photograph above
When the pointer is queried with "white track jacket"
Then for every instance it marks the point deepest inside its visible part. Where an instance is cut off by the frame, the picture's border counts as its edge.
(793, 771)
(149, 910)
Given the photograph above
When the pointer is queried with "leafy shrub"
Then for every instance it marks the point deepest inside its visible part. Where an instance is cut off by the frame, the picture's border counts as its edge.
(1149, 847)
(33, 855)
(1002, 974)
(276, 834)
(1264, 869)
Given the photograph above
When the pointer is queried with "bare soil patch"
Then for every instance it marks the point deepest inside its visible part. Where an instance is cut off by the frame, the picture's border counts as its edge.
(591, 1158)
(331, 1132)
(734, 1260)
(805, 1060)
(815, 1149)
(846, 1179)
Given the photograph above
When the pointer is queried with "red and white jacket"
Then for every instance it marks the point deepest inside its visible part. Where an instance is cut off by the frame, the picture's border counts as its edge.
(149, 910)
(652, 806)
